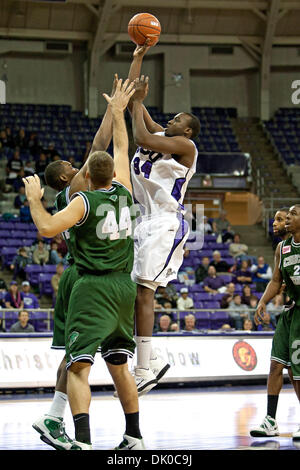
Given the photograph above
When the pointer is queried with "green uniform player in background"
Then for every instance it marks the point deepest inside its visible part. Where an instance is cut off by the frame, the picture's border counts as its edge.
(101, 306)
(286, 341)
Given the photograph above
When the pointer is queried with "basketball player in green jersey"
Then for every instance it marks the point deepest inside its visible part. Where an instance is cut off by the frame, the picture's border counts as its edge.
(279, 353)
(61, 176)
(285, 347)
(101, 307)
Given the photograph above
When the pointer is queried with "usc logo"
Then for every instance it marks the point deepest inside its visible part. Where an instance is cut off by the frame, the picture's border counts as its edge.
(244, 355)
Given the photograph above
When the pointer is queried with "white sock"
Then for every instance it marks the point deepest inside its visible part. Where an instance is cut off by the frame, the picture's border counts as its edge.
(58, 405)
(153, 355)
(143, 346)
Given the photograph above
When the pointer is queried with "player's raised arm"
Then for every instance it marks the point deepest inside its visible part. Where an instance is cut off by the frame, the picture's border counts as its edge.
(272, 289)
(50, 225)
(101, 142)
(135, 72)
(118, 103)
(180, 146)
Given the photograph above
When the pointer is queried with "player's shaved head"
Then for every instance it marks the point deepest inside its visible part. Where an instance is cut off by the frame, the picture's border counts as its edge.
(54, 173)
(100, 169)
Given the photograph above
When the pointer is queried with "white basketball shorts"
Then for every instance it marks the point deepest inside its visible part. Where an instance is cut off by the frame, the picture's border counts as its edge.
(158, 249)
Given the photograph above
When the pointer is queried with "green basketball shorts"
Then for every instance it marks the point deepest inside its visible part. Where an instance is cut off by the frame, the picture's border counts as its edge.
(66, 283)
(101, 314)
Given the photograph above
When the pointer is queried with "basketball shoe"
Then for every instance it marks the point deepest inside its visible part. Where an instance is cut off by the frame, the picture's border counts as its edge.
(52, 430)
(145, 380)
(81, 446)
(131, 443)
(267, 428)
(296, 435)
(159, 367)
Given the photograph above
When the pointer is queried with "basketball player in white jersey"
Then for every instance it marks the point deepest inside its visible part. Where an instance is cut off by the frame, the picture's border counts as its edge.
(161, 168)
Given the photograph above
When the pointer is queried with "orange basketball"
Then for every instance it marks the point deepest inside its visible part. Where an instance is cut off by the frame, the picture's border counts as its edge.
(144, 26)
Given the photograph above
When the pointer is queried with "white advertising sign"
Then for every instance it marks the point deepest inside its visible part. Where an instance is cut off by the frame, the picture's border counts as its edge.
(29, 362)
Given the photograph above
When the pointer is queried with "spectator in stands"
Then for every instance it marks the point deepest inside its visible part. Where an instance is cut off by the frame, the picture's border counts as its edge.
(51, 152)
(10, 139)
(14, 298)
(174, 327)
(21, 139)
(212, 282)
(243, 275)
(162, 295)
(223, 227)
(62, 248)
(266, 324)
(248, 325)
(33, 144)
(20, 198)
(40, 165)
(238, 312)
(157, 306)
(190, 323)
(275, 307)
(238, 249)
(228, 295)
(19, 263)
(55, 257)
(246, 295)
(201, 271)
(252, 306)
(220, 265)
(13, 167)
(262, 274)
(3, 286)
(18, 181)
(40, 254)
(25, 214)
(2, 329)
(184, 302)
(23, 325)
(56, 278)
(29, 168)
(206, 225)
(30, 300)
(163, 324)
(3, 139)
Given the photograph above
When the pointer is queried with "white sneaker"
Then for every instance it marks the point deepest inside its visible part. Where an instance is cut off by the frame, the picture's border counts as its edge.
(52, 430)
(159, 367)
(296, 435)
(81, 446)
(131, 443)
(145, 380)
(267, 428)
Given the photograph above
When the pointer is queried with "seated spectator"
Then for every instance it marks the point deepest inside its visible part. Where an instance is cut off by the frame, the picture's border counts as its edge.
(212, 282)
(223, 228)
(246, 295)
(275, 307)
(51, 152)
(56, 278)
(164, 324)
(3, 139)
(162, 295)
(226, 327)
(243, 275)
(61, 245)
(55, 257)
(3, 286)
(262, 274)
(22, 326)
(248, 325)
(266, 324)
(10, 142)
(13, 167)
(25, 214)
(174, 327)
(40, 254)
(30, 300)
(33, 144)
(18, 181)
(228, 295)
(29, 168)
(220, 265)
(190, 323)
(201, 271)
(253, 306)
(21, 139)
(238, 312)
(20, 198)
(156, 305)
(184, 302)
(14, 298)
(2, 329)
(236, 248)
(19, 263)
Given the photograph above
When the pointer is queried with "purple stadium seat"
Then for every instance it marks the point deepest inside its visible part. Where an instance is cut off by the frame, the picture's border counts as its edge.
(45, 284)
(202, 296)
(211, 304)
(7, 255)
(32, 273)
(11, 317)
(226, 277)
(203, 320)
(195, 288)
(218, 319)
(49, 268)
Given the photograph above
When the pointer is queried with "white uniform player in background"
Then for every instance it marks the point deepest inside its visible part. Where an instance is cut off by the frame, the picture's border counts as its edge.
(163, 164)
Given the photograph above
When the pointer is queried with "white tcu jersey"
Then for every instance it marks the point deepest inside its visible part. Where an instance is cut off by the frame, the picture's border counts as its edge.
(159, 181)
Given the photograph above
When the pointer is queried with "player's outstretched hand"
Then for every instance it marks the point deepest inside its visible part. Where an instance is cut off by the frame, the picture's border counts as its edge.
(141, 88)
(140, 51)
(121, 96)
(115, 82)
(33, 188)
(260, 312)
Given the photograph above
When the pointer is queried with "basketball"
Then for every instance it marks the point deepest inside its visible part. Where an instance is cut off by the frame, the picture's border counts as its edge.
(144, 26)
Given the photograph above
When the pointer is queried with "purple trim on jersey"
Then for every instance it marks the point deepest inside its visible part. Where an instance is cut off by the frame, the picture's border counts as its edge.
(179, 236)
(176, 191)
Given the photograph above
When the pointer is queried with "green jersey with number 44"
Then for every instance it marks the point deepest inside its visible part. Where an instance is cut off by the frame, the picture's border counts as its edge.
(103, 238)
(290, 268)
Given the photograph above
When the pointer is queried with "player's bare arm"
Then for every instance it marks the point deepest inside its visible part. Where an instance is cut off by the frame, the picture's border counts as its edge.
(101, 142)
(118, 103)
(178, 146)
(50, 225)
(135, 72)
(272, 289)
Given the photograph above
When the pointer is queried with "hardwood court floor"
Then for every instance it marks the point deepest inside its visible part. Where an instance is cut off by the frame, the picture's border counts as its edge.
(215, 418)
